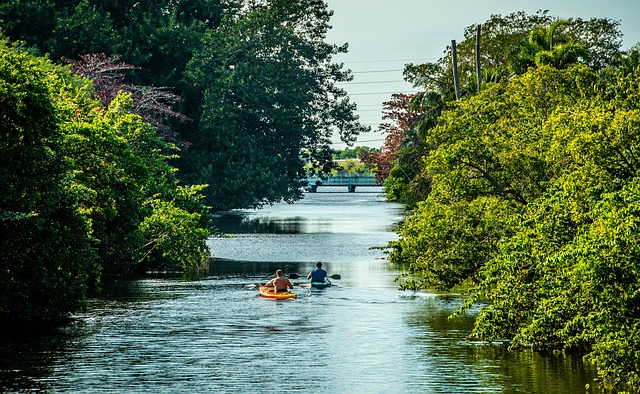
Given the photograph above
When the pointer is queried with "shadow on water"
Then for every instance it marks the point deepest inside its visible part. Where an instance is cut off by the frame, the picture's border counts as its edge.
(241, 223)
(225, 268)
(28, 353)
(444, 341)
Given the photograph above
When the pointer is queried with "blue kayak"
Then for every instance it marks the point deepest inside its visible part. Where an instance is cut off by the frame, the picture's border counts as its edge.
(321, 285)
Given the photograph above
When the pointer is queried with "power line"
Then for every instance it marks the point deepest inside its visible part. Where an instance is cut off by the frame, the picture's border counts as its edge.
(372, 93)
(369, 82)
(374, 140)
(375, 71)
(391, 60)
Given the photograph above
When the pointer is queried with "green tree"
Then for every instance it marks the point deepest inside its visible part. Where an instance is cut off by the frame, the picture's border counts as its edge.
(269, 95)
(567, 278)
(84, 29)
(127, 186)
(88, 192)
(509, 45)
(490, 144)
(47, 253)
(460, 238)
(354, 153)
(549, 46)
(498, 150)
(175, 230)
(504, 37)
(29, 21)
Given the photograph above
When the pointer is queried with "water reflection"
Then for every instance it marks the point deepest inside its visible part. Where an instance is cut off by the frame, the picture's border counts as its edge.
(242, 223)
(254, 271)
(28, 354)
(488, 365)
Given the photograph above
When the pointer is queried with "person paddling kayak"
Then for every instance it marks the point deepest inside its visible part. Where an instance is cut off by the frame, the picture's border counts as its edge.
(280, 283)
(318, 274)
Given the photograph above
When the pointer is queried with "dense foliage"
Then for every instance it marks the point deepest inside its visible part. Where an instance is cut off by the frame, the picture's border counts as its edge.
(155, 105)
(47, 255)
(269, 95)
(87, 191)
(532, 197)
(255, 77)
(396, 162)
(568, 277)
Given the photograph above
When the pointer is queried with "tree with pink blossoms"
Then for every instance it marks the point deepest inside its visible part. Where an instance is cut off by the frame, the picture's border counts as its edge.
(154, 104)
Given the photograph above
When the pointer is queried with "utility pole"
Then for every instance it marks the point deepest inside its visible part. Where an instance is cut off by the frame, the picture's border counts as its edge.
(454, 55)
(478, 71)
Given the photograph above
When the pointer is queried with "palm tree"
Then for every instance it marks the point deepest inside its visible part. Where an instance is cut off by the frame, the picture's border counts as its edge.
(547, 46)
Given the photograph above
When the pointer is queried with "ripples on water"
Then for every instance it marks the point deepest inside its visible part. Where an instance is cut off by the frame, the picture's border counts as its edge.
(216, 335)
(219, 336)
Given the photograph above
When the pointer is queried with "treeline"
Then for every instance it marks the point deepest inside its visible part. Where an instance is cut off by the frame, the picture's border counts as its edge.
(256, 82)
(357, 152)
(527, 191)
(348, 161)
(125, 122)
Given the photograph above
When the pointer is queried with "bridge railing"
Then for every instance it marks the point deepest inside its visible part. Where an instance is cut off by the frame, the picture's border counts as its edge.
(350, 181)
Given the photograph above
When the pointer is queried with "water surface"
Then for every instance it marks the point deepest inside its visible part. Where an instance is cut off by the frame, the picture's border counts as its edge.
(170, 334)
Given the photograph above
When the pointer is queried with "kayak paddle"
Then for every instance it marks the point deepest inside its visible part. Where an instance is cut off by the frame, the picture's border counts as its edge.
(296, 276)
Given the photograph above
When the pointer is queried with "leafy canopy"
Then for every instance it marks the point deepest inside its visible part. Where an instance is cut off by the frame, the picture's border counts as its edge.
(270, 96)
(88, 191)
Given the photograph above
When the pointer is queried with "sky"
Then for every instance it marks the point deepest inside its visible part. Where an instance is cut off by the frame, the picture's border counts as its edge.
(384, 35)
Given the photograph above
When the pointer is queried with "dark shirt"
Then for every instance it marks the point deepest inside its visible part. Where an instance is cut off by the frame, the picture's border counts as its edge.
(318, 275)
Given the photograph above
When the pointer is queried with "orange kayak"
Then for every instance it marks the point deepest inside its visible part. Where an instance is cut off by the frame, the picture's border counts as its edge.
(267, 292)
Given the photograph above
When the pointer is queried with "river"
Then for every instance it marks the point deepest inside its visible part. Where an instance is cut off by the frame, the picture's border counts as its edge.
(214, 334)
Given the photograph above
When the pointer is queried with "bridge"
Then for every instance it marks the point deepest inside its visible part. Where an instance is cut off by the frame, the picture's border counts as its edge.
(342, 180)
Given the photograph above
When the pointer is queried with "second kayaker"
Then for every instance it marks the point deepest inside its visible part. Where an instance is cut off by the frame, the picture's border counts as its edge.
(280, 283)
(318, 274)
